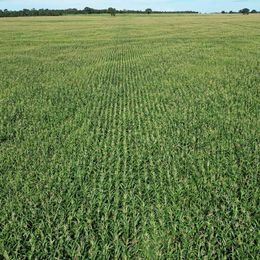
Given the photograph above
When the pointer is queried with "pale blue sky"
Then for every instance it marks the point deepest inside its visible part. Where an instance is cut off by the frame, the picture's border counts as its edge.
(195, 5)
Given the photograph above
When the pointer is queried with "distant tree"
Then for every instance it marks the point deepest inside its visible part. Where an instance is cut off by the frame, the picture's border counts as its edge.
(223, 12)
(88, 10)
(148, 10)
(26, 12)
(231, 12)
(244, 11)
(253, 11)
(112, 11)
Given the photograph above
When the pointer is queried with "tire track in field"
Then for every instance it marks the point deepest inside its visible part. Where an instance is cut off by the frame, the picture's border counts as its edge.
(155, 170)
(140, 113)
(95, 172)
(117, 117)
(108, 186)
(131, 215)
(140, 174)
(134, 174)
(141, 171)
(118, 180)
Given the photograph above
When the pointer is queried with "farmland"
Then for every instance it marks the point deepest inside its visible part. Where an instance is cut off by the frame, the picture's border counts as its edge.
(129, 137)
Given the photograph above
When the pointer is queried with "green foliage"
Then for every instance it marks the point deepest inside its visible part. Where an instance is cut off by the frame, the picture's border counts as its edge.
(112, 11)
(74, 11)
(245, 11)
(148, 10)
(129, 138)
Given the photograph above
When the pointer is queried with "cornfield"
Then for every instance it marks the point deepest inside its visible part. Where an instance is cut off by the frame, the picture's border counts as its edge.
(133, 137)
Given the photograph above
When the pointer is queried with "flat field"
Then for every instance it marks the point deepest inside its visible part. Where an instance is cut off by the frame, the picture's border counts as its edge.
(130, 137)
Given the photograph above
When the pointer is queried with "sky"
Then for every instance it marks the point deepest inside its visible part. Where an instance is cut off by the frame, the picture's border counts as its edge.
(164, 5)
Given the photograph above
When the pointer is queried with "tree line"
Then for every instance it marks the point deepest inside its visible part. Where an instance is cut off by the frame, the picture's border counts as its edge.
(242, 11)
(88, 10)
